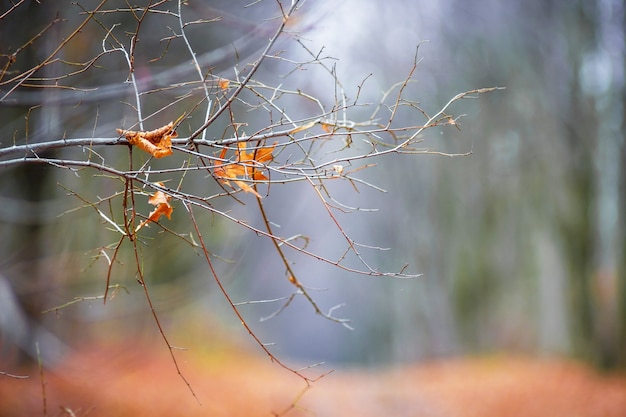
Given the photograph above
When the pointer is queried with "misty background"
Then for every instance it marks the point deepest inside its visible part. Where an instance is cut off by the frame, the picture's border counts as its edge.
(520, 243)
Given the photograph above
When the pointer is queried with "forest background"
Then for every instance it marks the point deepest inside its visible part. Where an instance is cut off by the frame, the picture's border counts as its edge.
(518, 240)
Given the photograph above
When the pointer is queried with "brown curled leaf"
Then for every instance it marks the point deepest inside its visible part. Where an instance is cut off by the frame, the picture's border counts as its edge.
(163, 207)
(247, 166)
(157, 142)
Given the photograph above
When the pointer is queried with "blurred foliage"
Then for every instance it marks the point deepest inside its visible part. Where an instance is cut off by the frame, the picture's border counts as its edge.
(521, 243)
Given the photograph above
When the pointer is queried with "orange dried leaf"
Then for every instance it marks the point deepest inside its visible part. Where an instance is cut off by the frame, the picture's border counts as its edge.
(242, 156)
(218, 171)
(158, 151)
(155, 135)
(223, 173)
(245, 167)
(157, 142)
(259, 176)
(247, 188)
(159, 197)
(163, 207)
(265, 154)
(259, 156)
(223, 84)
(229, 172)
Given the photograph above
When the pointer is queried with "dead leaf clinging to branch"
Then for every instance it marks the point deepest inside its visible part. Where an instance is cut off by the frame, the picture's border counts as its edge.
(163, 207)
(157, 143)
(245, 167)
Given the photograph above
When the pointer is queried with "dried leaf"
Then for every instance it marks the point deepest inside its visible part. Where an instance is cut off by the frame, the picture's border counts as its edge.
(157, 142)
(219, 172)
(224, 173)
(163, 207)
(223, 84)
(246, 187)
(245, 167)
(302, 127)
(327, 128)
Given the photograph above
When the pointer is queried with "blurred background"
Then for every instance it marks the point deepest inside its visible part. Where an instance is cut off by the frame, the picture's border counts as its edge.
(520, 244)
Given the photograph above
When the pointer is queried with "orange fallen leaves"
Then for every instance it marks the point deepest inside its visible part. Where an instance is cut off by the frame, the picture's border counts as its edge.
(245, 167)
(157, 143)
(163, 207)
(111, 379)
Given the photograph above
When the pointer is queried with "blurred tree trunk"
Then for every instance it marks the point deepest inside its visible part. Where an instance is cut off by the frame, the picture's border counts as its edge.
(26, 187)
(621, 238)
(590, 223)
(575, 224)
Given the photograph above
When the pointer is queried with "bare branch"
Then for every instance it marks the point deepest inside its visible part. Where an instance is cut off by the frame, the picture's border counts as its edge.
(242, 136)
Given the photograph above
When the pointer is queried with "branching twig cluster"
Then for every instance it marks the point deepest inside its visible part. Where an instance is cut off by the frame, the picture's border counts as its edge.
(285, 148)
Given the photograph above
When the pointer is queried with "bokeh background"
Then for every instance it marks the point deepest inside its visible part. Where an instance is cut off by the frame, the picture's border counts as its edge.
(520, 244)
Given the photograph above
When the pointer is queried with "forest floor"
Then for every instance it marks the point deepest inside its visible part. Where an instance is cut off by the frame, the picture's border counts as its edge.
(141, 380)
